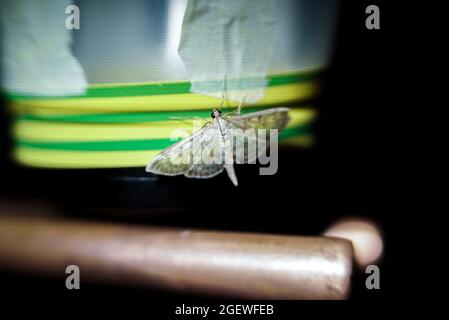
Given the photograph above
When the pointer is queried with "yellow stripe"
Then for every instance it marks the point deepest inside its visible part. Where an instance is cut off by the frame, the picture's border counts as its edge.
(175, 102)
(49, 131)
(65, 132)
(81, 159)
(104, 159)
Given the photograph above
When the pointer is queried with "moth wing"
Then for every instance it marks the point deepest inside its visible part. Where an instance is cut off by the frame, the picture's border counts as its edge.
(177, 159)
(244, 130)
(207, 156)
(244, 146)
(274, 118)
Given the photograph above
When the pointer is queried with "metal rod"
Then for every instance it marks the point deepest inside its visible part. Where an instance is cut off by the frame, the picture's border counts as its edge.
(233, 264)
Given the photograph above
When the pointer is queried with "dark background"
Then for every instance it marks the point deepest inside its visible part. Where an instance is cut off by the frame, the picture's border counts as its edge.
(349, 172)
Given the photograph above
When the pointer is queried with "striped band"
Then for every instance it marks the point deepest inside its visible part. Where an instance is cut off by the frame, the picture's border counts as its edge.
(125, 125)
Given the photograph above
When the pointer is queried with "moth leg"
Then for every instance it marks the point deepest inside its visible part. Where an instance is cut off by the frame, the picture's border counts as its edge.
(188, 120)
(241, 103)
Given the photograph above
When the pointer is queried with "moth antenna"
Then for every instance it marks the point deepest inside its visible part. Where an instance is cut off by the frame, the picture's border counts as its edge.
(225, 91)
(222, 101)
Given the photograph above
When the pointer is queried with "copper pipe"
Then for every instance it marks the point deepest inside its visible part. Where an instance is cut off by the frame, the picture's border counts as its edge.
(225, 263)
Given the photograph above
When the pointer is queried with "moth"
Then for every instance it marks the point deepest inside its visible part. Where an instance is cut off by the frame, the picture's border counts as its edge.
(219, 143)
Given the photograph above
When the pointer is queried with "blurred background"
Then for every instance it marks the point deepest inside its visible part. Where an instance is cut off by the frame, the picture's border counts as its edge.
(338, 185)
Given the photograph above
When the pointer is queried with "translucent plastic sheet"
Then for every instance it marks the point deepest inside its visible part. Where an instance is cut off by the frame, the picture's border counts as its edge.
(36, 57)
(226, 46)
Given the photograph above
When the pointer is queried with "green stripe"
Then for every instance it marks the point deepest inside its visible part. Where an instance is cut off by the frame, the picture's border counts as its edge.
(295, 131)
(129, 145)
(166, 88)
(133, 117)
(126, 145)
(305, 76)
